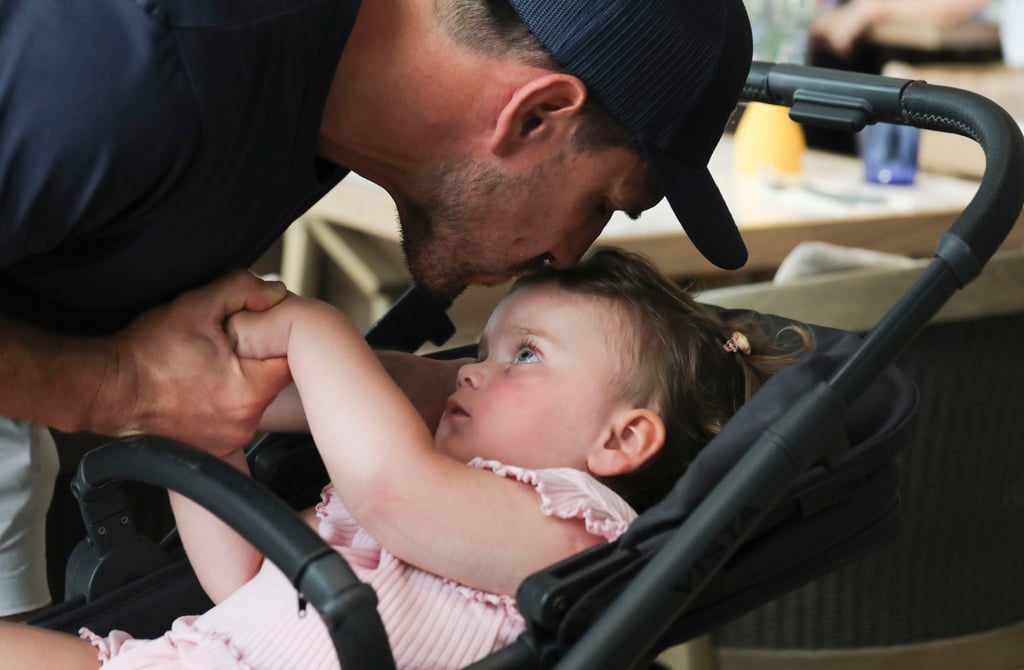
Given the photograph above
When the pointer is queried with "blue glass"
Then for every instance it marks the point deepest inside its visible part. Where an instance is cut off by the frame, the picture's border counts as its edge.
(889, 152)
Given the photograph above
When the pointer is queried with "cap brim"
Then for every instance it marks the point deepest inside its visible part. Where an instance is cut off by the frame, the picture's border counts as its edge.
(700, 208)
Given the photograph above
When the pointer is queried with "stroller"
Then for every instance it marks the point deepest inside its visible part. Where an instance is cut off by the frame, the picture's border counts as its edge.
(798, 483)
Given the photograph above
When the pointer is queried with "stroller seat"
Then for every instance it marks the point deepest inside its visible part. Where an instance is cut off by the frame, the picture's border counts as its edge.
(949, 591)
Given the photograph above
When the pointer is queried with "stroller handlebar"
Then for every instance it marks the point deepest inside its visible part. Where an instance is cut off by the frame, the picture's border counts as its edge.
(851, 100)
(320, 574)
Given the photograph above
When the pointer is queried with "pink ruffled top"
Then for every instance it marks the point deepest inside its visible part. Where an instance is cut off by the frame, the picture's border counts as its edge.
(432, 622)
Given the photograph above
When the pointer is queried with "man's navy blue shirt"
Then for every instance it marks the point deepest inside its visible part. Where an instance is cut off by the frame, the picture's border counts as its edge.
(148, 146)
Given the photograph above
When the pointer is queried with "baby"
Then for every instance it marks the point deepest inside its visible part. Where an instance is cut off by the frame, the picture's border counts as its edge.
(594, 388)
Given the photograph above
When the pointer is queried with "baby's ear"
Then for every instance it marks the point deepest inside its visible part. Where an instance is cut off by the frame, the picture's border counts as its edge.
(635, 436)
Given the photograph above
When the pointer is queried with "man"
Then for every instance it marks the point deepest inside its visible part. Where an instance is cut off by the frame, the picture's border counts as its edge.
(146, 148)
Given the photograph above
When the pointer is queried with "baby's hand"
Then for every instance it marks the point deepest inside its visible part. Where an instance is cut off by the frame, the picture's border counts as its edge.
(264, 334)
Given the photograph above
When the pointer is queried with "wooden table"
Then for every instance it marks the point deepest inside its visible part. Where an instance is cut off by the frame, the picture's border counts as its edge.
(976, 35)
(829, 201)
(356, 225)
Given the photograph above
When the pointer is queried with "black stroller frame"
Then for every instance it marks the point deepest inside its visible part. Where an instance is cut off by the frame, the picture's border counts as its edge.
(703, 556)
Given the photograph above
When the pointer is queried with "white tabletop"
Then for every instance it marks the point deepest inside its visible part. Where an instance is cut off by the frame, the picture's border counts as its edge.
(828, 201)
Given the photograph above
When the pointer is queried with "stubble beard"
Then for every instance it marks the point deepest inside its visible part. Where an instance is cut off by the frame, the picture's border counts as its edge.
(443, 239)
(448, 240)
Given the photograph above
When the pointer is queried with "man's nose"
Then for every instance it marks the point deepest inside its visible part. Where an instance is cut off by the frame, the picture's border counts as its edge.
(575, 247)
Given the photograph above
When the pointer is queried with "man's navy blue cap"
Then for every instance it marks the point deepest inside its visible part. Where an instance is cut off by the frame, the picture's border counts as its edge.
(671, 71)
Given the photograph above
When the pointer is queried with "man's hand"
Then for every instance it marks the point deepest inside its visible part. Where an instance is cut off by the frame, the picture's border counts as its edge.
(176, 373)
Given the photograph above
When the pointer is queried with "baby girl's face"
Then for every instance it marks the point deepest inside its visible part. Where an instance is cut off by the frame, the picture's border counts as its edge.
(542, 394)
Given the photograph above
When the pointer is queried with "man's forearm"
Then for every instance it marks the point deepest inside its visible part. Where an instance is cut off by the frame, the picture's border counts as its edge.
(171, 372)
(427, 382)
(66, 382)
(285, 414)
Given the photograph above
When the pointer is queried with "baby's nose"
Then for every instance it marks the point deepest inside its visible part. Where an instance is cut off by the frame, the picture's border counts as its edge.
(469, 375)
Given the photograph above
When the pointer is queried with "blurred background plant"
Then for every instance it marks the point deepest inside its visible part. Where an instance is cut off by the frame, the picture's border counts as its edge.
(780, 28)
(767, 142)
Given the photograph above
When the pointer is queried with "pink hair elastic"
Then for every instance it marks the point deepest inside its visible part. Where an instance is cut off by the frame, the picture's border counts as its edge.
(737, 342)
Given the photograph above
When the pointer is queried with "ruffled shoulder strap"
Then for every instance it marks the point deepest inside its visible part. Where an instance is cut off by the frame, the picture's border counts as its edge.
(566, 493)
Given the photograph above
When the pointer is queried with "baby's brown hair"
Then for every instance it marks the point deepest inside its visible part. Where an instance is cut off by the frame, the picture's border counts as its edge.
(692, 364)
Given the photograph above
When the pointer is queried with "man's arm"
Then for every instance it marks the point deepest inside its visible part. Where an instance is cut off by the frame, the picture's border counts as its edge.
(172, 372)
(426, 382)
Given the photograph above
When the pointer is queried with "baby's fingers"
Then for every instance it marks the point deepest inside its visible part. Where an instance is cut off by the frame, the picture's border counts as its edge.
(245, 332)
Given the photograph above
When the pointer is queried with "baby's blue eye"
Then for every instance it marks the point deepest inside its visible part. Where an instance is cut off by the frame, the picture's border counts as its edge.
(526, 355)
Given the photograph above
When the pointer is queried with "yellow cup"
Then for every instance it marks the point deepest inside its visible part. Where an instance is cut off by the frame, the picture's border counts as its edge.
(766, 138)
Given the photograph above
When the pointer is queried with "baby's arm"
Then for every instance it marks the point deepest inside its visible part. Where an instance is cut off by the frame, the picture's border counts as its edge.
(221, 558)
(426, 508)
(425, 381)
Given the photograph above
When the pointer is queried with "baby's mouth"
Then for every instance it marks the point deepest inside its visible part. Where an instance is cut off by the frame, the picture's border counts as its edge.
(453, 408)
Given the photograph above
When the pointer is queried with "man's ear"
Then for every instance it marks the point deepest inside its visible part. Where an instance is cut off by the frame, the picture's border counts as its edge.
(636, 435)
(544, 108)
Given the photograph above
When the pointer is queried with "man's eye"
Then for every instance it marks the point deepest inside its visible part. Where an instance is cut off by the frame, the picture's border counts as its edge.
(526, 355)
